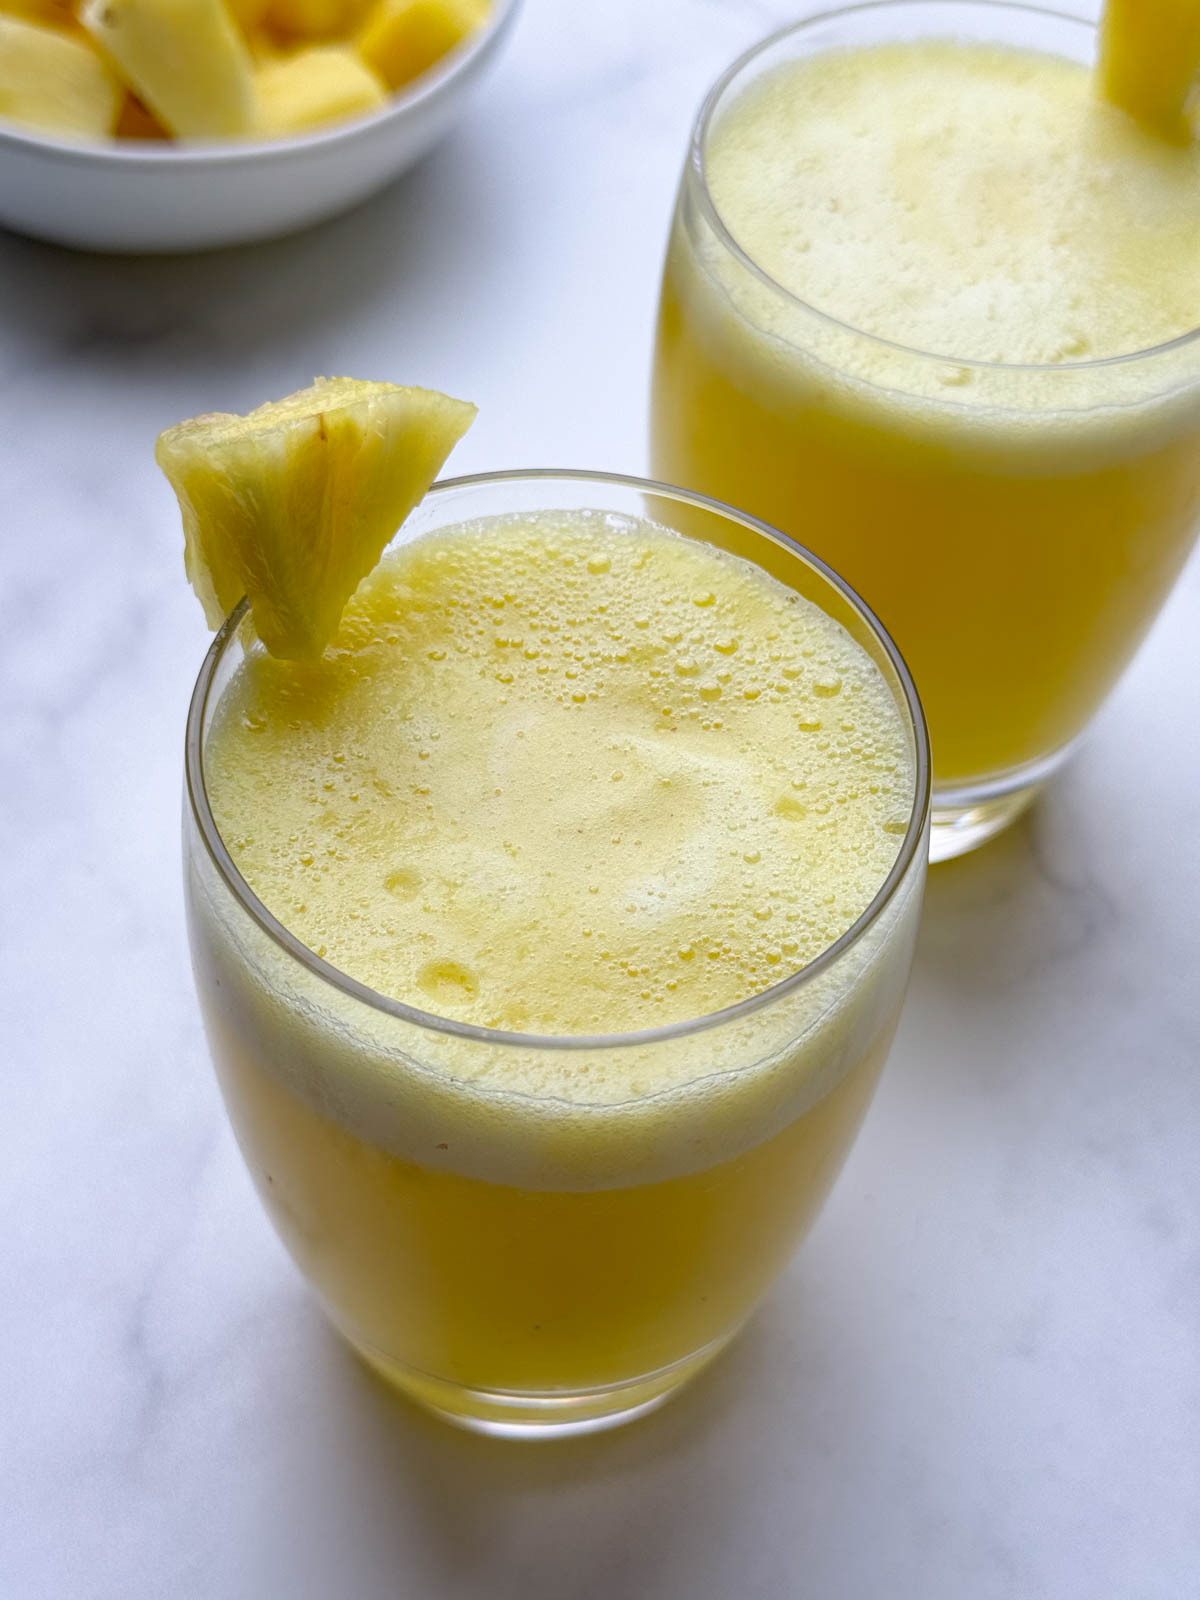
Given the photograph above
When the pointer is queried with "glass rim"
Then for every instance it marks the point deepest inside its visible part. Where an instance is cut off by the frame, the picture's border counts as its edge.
(287, 941)
(695, 170)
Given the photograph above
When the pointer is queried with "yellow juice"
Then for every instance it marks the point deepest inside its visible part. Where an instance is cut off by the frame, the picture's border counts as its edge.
(1013, 505)
(554, 778)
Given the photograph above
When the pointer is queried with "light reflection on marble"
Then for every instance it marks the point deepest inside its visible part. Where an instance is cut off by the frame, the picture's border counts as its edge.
(979, 1381)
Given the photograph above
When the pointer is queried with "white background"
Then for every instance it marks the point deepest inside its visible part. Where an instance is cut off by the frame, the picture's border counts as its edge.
(981, 1378)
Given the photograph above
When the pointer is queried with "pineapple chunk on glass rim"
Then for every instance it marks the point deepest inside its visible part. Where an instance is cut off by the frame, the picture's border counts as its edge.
(293, 504)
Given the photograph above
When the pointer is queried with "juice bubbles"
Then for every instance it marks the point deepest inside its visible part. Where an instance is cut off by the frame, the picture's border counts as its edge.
(563, 775)
(1015, 503)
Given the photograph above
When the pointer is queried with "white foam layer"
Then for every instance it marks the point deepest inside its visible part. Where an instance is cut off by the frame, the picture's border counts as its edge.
(963, 200)
(556, 778)
(968, 200)
(437, 811)
(439, 1101)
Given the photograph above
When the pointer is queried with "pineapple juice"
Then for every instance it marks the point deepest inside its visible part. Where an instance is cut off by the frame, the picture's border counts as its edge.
(1014, 514)
(558, 775)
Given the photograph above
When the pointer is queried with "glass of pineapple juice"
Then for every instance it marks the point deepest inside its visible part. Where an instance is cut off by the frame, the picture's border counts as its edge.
(542, 1234)
(1016, 524)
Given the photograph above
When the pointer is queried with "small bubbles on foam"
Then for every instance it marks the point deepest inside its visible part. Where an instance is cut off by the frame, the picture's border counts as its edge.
(447, 982)
(403, 882)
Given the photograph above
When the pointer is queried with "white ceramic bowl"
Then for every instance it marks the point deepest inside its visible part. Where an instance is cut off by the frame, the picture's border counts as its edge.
(137, 196)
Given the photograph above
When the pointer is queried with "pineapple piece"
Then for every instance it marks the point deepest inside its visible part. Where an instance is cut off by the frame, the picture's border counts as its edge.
(403, 38)
(247, 14)
(264, 46)
(293, 504)
(183, 58)
(135, 122)
(54, 82)
(315, 19)
(52, 13)
(324, 83)
(1149, 55)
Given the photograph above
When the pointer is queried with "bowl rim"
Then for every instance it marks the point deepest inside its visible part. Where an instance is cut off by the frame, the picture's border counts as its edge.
(161, 155)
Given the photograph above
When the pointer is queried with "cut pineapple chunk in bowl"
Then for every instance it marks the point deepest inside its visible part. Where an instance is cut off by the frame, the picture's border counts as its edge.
(148, 195)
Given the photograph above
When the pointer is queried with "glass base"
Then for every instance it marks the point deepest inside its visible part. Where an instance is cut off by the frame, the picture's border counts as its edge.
(956, 829)
(548, 1414)
(963, 818)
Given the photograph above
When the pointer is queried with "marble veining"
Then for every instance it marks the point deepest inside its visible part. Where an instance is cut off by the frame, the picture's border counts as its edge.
(979, 1381)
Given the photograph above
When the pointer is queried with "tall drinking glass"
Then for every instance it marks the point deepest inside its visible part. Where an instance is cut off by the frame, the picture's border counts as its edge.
(539, 1263)
(1016, 526)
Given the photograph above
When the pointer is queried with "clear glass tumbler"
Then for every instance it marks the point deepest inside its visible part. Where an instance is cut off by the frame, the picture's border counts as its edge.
(530, 1265)
(1017, 527)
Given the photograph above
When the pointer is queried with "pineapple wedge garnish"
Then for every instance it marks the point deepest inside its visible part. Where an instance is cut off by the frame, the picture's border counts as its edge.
(403, 38)
(54, 82)
(324, 83)
(1149, 59)
(293, 504)
(184, 59)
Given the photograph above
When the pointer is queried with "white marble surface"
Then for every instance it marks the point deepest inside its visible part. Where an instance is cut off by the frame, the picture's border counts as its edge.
(981, 1378)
